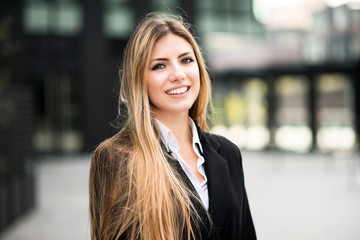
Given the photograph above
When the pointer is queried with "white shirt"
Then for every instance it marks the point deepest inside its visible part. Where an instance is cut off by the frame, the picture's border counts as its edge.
(170, 142)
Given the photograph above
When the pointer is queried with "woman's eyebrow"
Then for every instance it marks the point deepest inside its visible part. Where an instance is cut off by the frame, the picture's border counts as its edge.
(166, 59)
(183, 54)
(159, 59)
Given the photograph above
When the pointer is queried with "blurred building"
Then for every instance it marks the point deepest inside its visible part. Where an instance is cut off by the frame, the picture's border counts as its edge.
(295, 86)
(69, 53)
(283, 80)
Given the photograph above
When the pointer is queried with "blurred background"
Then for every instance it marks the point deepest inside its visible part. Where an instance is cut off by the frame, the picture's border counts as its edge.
(285, 89)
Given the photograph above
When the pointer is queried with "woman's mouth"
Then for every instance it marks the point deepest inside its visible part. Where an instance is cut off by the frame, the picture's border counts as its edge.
(177, 91)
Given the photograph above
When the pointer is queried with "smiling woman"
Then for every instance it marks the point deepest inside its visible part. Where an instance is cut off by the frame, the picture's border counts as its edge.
(172, 77)
(163, 176)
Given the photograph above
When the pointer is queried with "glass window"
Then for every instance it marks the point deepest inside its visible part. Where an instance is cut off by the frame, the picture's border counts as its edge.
(165, 5)
(241, 23)
(292, 116)
(205, 22)
(335, 113)
(257, 134)
(245, 6)
(226, 16)
(226, 5)
(353, 49)
(57, 123)
(338, 50)
(67, 18)
(206, 4)
(218, 94)
(214, 22)
(116, 1)
(315, 50)
(240, 112)
(36, 17)
(340, 19)
(56, 17)
(119, 19)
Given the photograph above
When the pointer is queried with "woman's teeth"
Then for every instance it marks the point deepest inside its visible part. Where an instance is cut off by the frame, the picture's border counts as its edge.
(177, 91)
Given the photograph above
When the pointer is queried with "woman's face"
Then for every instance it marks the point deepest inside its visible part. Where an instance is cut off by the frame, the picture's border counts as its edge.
(172, 76)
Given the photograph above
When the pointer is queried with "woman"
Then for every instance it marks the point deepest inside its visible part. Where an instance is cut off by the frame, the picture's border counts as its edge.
(163, 176)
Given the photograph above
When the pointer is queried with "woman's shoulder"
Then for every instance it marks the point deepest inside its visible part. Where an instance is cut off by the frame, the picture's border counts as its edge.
(226, 149)
(110, 151)
(107, 160)
(220, 142)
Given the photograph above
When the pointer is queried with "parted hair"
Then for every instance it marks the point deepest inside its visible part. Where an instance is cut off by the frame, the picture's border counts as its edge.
(135, 193)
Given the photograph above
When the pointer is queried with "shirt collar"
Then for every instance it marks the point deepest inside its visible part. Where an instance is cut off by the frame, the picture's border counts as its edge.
(195, 135)
(169, 140)
(167, 137)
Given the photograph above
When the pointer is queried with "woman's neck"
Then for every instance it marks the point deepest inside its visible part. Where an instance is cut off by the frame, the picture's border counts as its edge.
(179, 126)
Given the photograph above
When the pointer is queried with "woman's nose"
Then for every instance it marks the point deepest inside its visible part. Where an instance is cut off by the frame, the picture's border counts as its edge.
(178, 74)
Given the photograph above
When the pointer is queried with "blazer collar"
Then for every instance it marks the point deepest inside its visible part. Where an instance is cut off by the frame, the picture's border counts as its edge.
(218, 176)
(170, 141)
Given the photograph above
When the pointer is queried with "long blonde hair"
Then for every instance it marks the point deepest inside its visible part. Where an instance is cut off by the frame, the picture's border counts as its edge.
(134, 190)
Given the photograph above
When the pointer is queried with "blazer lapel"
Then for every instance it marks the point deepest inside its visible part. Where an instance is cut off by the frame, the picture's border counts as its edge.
(218, 176)
(204, 225)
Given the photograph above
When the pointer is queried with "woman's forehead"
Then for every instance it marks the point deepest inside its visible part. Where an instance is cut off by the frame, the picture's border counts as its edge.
(171, 44)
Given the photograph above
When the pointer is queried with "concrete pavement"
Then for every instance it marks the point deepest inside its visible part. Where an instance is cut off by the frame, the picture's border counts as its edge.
(304, 197)
(62, 205)
(292, 197)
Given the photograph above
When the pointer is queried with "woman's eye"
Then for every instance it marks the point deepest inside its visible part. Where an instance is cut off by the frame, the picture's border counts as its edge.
(158, 66)
(187, 60)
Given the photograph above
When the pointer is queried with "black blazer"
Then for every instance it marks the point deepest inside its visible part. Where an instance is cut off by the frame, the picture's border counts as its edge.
(228, 203)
